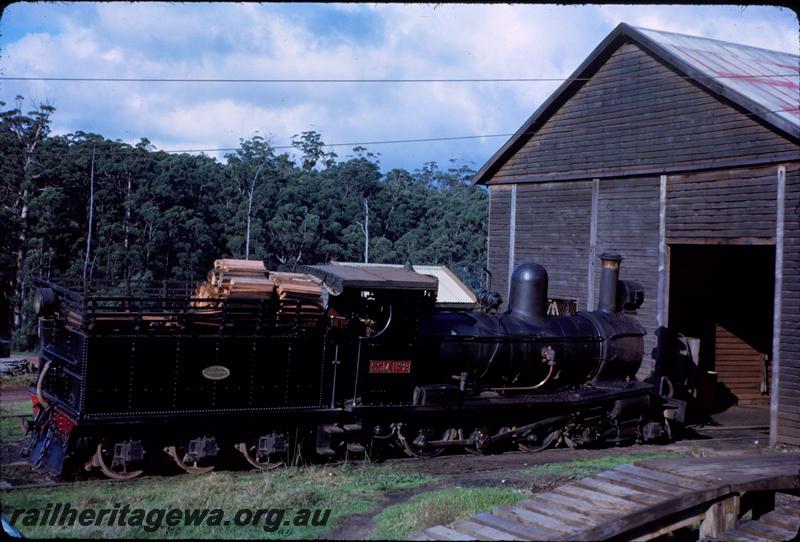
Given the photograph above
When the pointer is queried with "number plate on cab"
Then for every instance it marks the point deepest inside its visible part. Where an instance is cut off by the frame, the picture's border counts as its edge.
(390, 366)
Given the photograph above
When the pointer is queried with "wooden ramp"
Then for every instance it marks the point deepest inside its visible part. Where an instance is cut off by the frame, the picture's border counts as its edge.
(642, 501)
(781, 524)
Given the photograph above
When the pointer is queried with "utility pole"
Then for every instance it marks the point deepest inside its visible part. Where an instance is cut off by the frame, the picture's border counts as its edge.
(365, 230)
(91, 219)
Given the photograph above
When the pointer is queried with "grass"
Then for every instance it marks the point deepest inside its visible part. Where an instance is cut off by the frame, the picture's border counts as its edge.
(581, 468)
(443, 506)
(23, 354)
(10, 430)
(342, 490)
(440, 506)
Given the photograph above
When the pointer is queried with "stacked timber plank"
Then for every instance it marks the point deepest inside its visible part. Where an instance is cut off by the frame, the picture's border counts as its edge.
(236, 279)
(300, 297)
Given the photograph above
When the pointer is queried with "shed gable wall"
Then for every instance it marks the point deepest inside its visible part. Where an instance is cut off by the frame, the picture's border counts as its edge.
(637, 114)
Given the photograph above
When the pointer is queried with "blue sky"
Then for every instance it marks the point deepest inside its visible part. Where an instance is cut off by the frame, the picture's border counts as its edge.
(350, 41)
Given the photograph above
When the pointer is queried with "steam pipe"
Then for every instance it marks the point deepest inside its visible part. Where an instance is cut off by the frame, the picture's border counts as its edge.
(609, 275)
(39, 383)
(529, 388)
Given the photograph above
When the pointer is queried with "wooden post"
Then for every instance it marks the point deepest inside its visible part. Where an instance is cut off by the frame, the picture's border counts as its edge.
(776, 315)
(489, 233)
(662, 293)
(758, 502)
(590, 303)
(722, 516)
(512, 236)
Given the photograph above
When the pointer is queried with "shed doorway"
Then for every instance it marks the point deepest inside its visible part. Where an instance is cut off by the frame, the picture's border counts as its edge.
(723, 295)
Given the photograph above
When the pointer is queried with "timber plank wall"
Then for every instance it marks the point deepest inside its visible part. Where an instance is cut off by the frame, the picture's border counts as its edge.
(635, 114)
(553, 230)
(737, 203)
(553, 222)
(497, 238)
(627, 224)
(553, 226)
(633, 120)
(788, 403)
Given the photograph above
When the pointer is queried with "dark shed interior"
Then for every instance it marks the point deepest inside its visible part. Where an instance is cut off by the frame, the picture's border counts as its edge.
(723, 295)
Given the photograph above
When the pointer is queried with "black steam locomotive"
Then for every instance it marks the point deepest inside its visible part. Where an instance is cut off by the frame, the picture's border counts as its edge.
(131, 372)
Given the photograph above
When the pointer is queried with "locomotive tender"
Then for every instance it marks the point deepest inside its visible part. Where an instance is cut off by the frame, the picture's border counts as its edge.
(130, 372)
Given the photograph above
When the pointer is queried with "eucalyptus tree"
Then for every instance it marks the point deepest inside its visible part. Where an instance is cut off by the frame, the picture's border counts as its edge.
(24, 135)
(252, 170)
(157, 215)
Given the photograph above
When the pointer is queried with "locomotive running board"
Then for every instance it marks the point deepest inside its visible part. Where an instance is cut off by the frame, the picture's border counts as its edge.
(579, 397)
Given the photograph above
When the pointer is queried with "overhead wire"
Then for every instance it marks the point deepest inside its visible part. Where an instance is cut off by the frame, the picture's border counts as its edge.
(351, 81)
(623, 124)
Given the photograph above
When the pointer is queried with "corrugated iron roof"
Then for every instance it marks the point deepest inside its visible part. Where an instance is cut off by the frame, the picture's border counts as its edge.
(769, 78)
(451, 293)
(763, 83)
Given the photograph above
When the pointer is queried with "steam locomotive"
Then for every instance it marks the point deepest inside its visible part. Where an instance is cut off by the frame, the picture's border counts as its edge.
(132, 373)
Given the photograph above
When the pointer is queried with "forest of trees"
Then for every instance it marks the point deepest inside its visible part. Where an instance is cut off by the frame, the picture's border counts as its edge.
(157, 215)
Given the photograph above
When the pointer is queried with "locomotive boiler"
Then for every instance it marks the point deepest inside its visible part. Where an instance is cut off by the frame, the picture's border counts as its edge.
(524, 349)
(348, 361)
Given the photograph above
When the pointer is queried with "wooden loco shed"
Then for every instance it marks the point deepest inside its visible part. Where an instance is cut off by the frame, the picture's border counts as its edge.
(680, 153)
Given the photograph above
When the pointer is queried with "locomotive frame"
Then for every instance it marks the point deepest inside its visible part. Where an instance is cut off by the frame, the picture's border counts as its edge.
(130, 370)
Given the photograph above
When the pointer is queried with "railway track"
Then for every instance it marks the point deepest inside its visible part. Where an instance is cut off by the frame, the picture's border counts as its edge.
(462, 464)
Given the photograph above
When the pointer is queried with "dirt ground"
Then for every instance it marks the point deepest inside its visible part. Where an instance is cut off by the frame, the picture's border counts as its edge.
(506, 469)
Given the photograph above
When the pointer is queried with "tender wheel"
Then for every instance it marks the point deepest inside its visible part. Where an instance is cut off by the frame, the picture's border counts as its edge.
(418, 446)
(195, 458)
(112, 462)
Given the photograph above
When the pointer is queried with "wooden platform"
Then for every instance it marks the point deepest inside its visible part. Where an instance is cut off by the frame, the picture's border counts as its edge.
(781, 524)
(641, 501)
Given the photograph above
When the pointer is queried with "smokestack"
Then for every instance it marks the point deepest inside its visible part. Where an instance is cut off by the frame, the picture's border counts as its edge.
(609, 276)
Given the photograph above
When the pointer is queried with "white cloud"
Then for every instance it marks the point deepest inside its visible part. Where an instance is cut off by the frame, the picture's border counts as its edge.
(210, 120)
(348, 41)
(746, 25)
